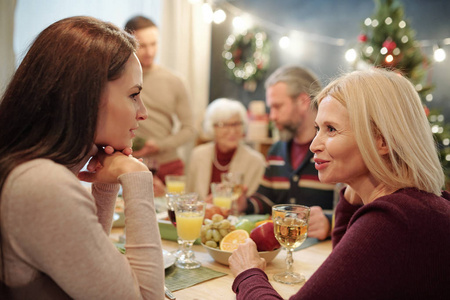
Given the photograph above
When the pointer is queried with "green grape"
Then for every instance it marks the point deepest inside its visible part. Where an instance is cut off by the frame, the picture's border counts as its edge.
(211, 244)
(209, 234)
(223, 232)
(225, 224)
(216, 235)
(217, 218)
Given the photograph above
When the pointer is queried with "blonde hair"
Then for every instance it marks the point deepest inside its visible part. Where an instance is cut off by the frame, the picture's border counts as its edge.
(384, 104)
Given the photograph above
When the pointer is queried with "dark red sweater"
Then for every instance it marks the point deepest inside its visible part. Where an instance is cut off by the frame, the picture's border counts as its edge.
(397, 247)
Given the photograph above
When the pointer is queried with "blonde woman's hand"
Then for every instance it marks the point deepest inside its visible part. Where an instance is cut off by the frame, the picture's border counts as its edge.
(246, 257)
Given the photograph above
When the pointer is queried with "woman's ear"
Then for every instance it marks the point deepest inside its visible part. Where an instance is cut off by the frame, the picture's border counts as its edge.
(382, 147)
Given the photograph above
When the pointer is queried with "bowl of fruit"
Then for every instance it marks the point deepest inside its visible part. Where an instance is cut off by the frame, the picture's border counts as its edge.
(220, 239)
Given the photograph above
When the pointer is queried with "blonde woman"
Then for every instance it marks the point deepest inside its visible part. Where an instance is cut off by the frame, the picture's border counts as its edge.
(225, 122)
(392, 231)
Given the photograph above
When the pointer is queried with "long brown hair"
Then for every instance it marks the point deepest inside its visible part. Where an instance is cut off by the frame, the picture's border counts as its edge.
(49, 110)
(50, 107)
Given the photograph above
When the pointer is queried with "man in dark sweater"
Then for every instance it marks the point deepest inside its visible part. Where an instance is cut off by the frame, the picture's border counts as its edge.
(290, 176)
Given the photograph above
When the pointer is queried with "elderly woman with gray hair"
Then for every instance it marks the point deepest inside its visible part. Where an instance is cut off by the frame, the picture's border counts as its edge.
(225, 122)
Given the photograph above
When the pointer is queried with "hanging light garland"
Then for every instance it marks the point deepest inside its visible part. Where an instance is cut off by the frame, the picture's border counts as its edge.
(439, 52)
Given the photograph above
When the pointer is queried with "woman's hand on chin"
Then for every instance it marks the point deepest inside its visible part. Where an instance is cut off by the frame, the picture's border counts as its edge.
(107, 165)
(111, 150)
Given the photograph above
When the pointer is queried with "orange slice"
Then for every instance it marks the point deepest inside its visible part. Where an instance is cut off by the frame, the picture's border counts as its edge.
(262, 222)
(231, 241)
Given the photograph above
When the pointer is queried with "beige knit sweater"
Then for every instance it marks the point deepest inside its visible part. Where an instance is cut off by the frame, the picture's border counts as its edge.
(55, 236)
(165, 97)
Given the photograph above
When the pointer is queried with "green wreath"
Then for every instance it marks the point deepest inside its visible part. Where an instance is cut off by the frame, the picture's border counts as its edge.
(247, 57)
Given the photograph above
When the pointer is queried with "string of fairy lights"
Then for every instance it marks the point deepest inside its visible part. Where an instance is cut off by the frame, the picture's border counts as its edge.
(218, 11)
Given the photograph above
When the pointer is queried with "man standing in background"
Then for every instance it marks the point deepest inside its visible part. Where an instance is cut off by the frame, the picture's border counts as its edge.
(165, 96)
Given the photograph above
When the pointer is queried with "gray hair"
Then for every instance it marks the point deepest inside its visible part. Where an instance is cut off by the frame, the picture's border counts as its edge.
(220, 110)
(298, 81)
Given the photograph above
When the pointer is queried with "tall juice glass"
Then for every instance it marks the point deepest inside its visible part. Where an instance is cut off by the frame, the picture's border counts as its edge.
(290, 223)
(175, 184)
(189, 212)
(236, 181)
(222, 195)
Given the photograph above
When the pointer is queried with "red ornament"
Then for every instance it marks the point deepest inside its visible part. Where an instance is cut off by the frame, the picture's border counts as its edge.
(427, 110)
(362, 38)
(389, 44)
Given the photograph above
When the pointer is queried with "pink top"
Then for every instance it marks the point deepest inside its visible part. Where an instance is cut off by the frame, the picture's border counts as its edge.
(55, 236)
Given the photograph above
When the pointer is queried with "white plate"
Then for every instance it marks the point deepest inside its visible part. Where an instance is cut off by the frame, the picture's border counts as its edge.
(169, 259)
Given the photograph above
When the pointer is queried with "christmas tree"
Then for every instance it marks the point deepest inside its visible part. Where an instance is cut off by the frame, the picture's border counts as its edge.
(387, 41)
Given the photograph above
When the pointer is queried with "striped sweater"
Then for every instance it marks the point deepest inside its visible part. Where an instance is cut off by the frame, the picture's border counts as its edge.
(282, 184)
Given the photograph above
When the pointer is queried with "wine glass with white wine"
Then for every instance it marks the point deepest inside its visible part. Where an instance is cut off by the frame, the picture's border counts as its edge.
(290, 226)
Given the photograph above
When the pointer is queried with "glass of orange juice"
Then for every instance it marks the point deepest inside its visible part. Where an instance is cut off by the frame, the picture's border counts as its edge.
(175, 184)
(222, 194)
(236, 181)
(189, 213)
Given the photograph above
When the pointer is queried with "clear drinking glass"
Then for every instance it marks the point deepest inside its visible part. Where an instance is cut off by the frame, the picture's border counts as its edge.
(189, 212)
(222, 195)
(290, 226)
(236, 181)
(175, 184)
(171, 202)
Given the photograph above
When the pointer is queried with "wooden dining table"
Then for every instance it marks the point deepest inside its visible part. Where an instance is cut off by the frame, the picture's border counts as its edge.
(306, 261)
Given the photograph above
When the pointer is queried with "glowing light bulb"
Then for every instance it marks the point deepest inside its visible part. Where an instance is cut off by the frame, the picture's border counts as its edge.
(207, 13)
(350, 55)
(284, 42)
(241, 24)
(439, 55)
(219, 16)
(238, 23)
(389, 58)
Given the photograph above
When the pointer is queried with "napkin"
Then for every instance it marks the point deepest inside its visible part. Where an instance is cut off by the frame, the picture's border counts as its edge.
(178, 279)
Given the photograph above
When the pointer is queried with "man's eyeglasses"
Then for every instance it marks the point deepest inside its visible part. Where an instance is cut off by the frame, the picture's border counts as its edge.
(233, 125)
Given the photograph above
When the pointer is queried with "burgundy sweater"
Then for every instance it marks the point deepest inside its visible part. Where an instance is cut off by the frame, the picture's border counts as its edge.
(397, 247)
